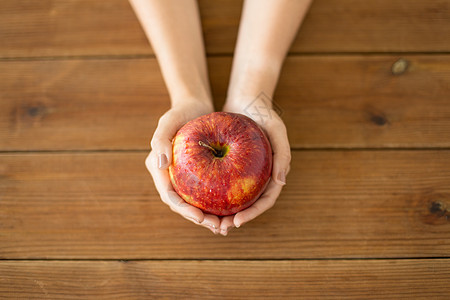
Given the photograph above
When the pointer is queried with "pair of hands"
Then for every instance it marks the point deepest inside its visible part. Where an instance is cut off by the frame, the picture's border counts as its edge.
(160, 159)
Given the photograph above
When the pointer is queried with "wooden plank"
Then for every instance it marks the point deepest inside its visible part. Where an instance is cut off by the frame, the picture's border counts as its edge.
(375, 26)
(358, 102)
(358, 279)
(87, 27)
(78, 104)
(69, 28)
(326, 101)
(337, 204)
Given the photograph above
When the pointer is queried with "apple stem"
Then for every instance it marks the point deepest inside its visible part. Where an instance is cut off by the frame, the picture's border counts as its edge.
(208, 146)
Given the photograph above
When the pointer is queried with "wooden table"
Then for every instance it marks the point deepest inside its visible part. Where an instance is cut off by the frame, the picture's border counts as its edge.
(365, 94)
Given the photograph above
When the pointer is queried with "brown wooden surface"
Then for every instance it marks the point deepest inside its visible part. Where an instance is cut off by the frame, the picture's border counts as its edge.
(353, 279)
(365, 214)
(337, 204)
(326, 101)
(89, 27)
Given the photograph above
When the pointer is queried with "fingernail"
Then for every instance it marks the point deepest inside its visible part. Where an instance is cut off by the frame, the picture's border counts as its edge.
(213, 229)
(162, 161)
(282, 177)
(224, 232)
(194, 220)
(212, 226)
(240, 225)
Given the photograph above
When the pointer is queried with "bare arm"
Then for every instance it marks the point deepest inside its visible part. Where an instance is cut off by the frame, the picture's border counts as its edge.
(265, 35)
(173, 28)
(266, 32)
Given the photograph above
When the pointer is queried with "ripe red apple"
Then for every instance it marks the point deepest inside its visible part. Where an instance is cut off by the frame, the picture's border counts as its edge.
(221, 163)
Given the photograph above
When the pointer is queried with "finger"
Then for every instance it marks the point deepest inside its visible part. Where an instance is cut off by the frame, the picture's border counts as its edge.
(276, 131)
(226, 224)
(266, 201)
(178, 205)
(168, 195)
(211, 222)
(161, 141)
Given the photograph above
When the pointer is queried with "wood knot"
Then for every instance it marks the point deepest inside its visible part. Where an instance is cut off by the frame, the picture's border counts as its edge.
(400, 66)
(376, 116)
(439, 208)
(378, 119)
(36, 111)
(430, 207)
(438, 213)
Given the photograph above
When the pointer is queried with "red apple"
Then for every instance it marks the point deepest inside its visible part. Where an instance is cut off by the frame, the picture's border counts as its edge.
(221, 164)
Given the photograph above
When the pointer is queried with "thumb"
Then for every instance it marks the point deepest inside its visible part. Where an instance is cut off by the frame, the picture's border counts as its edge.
(161, 142)
(277, 135)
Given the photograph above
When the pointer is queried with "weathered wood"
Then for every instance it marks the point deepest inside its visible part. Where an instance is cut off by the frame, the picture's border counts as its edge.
(326, 101)
(354, 279)
(87, 27)
(80, 104)
(69, 28)
(101, 205)
(358, 102)
(351, 204)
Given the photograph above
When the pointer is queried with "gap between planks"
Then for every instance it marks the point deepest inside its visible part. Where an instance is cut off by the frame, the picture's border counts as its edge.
(147, 56)
(148, 150)
(125, 260)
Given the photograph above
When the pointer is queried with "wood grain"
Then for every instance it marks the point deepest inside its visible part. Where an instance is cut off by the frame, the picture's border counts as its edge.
(69, 28)
(82, 219)
(87, 27)
(326, 102)
(379, 279)
(356, 101)
(80, 104)
(344, 204)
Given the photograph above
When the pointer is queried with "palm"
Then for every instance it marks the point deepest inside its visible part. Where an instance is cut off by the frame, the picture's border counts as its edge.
(168, 125)
(275, 129)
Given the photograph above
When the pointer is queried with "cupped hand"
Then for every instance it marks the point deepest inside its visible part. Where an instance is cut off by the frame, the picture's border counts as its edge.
(160, 158)
(276, 132)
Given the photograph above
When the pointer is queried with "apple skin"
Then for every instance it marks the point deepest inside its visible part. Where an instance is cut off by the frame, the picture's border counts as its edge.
(221, 185)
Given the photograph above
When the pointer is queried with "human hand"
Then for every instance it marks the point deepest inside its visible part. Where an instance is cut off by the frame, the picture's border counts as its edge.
(276, 132)
(160, 158)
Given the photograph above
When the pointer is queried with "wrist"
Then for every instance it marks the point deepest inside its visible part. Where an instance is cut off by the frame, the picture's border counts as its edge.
(201, 98)
(252, 81)
(254, 107)
(192, 106)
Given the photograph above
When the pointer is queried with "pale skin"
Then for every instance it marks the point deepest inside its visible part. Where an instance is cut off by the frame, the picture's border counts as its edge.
(266, 31)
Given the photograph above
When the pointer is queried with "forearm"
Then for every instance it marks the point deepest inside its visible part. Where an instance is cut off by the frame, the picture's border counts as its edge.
(265, 35)
(174, 30)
